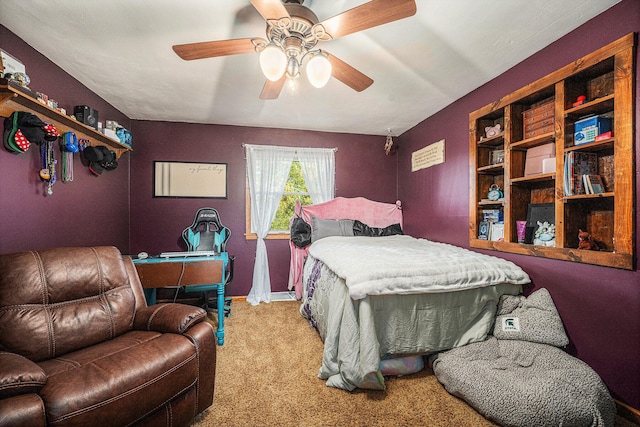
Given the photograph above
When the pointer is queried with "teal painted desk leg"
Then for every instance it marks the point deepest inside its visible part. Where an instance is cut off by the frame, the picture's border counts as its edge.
(150, 296)
(220, 332)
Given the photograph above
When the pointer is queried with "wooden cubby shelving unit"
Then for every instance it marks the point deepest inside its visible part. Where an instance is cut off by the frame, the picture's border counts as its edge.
(608, 216)
(13, 99)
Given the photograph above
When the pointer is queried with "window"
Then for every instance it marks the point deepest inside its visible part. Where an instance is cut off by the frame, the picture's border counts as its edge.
(310, 179)
(295, 188)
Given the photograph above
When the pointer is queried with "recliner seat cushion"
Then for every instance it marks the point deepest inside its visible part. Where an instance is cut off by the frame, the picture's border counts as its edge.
(102, 381)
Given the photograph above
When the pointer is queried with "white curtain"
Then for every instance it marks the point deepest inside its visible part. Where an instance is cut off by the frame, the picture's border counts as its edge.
(268, 169)
(319, 171)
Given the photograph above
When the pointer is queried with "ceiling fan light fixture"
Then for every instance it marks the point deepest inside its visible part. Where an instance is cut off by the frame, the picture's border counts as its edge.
(318, 70)
(273, 62)
(293, 68)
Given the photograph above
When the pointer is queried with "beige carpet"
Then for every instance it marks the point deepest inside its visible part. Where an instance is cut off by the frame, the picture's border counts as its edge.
(266, 375)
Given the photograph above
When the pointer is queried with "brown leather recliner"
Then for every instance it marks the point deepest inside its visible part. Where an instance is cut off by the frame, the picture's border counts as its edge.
(80, 347)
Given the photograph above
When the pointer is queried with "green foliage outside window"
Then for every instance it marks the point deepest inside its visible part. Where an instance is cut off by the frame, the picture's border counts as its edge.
(295, 189)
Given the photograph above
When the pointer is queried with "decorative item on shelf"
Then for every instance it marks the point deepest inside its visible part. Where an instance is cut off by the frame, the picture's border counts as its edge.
(601, 86)
(545, 234)
(579, 101)
(42, 98)
(605, 135)
(587, 242)
(495, 193)
(124, 135)
(535, 156)
(492, 131)
(21, 79)
(483, 230)
(111, 129)
(87, 115)
(521, 229)
(10, 65)
(492, 215)
(497, 157)
(390, 146)
(496, 232)
(539, 119)
(586, 130)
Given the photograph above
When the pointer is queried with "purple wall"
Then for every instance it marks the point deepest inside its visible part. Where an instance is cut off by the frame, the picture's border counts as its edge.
(89, 210)
(362, 169)
(600, 306)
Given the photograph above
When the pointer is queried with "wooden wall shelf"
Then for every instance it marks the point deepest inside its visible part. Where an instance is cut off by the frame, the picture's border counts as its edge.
(604, 76)
(13, 99)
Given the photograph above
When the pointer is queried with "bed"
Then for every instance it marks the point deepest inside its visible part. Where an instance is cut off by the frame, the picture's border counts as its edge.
(390, 297)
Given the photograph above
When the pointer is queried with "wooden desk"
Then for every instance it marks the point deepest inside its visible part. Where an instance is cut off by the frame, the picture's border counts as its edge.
(198, 273)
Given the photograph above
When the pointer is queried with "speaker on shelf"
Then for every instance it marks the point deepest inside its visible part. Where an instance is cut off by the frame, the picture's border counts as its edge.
(86, 115)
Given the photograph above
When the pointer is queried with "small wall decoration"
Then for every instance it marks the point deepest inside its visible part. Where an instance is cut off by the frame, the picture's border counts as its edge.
(428, 156)
(390, 146)
(190, 179)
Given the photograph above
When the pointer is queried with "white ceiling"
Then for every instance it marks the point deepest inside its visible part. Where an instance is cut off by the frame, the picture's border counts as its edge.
(121, 50)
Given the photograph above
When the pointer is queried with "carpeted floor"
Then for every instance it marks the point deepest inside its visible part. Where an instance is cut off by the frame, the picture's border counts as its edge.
(266, 375)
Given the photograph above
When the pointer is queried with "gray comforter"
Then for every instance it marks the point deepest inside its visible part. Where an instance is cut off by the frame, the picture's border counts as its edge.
(357, 332)
(520, 383)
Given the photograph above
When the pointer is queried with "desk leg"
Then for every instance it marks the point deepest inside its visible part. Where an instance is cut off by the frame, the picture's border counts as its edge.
(220, 332)
(150, 295)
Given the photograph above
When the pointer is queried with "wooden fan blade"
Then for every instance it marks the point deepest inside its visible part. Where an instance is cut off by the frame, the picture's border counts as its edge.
(271, 90)
(347, 74)
(202, 50)
(368, 15)
(271, 9)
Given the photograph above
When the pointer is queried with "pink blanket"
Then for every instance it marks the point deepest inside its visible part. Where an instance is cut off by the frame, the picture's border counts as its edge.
(374, 214)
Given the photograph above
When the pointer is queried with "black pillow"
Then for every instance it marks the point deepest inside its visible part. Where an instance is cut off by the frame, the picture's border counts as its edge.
(300, 232)
(362, 229)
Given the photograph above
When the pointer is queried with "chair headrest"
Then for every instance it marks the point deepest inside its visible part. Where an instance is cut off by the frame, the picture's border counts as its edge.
(205, 215)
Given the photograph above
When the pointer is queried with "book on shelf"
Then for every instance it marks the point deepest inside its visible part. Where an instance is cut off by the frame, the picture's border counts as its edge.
(594, 184)
(585, 184)
(576, 165)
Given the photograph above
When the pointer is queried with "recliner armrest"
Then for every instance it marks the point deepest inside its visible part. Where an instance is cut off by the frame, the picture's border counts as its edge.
(19, 375)
(168, 318)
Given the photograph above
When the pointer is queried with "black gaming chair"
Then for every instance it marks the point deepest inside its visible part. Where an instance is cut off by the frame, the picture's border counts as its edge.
(208, 234)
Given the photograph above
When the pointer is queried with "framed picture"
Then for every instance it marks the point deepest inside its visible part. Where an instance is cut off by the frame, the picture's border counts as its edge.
(190, 179)
(483, 230)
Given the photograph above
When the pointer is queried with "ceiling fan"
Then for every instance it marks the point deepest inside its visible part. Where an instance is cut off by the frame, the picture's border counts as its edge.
(293, 31)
